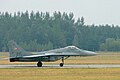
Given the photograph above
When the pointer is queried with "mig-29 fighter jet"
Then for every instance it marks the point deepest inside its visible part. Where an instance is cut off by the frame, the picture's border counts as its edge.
(20, 55)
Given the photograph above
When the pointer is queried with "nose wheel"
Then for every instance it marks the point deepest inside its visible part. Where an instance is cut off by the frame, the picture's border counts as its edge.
(39, 64)
(61, 64)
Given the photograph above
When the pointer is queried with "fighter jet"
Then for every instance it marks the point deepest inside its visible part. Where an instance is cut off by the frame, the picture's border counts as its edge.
(20, 55)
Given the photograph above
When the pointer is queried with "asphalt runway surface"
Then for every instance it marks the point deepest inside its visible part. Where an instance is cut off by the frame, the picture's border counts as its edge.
(65, 66)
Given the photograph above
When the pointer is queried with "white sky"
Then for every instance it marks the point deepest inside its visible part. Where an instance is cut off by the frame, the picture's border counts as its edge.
(94, 11)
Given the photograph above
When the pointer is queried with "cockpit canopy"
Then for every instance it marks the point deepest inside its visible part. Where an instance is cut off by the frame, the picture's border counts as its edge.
(72, 47)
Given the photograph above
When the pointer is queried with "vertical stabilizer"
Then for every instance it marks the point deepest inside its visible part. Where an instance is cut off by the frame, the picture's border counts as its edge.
(15, 50)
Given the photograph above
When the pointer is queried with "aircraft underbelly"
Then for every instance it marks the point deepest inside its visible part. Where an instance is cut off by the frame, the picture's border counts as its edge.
(36, 59)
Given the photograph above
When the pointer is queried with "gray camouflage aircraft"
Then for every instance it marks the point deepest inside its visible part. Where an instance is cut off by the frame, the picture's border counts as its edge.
(19, 54)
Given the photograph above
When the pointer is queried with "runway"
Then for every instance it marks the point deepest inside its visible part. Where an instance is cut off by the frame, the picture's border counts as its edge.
(65, 66)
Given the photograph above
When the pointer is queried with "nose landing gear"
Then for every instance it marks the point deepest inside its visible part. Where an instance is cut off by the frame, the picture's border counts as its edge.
(61, 64)
(39, 64)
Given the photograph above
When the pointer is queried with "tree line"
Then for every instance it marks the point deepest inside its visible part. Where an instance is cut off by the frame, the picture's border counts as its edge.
(37, 31)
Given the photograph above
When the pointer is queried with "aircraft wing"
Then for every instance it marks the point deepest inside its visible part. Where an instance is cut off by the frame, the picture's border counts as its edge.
(50, 54)
(41, 55)
(85, 53)
(32, 56)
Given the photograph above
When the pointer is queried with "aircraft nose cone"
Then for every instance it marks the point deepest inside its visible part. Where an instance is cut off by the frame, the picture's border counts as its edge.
(90, 53)
(93, 53)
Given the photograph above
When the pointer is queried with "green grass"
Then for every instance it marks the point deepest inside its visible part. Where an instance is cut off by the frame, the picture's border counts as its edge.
(59, 74)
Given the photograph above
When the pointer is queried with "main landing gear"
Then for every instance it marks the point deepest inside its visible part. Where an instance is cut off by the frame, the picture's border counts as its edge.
(39, 64)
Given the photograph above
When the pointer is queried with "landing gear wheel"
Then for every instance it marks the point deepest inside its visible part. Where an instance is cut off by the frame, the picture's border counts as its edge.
(61, 64)
(39, 64)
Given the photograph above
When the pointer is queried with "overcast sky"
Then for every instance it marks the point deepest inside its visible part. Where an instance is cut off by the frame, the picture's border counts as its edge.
(94, 11)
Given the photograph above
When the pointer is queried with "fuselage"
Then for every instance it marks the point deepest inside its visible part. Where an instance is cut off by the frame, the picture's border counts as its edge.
(54, 55)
